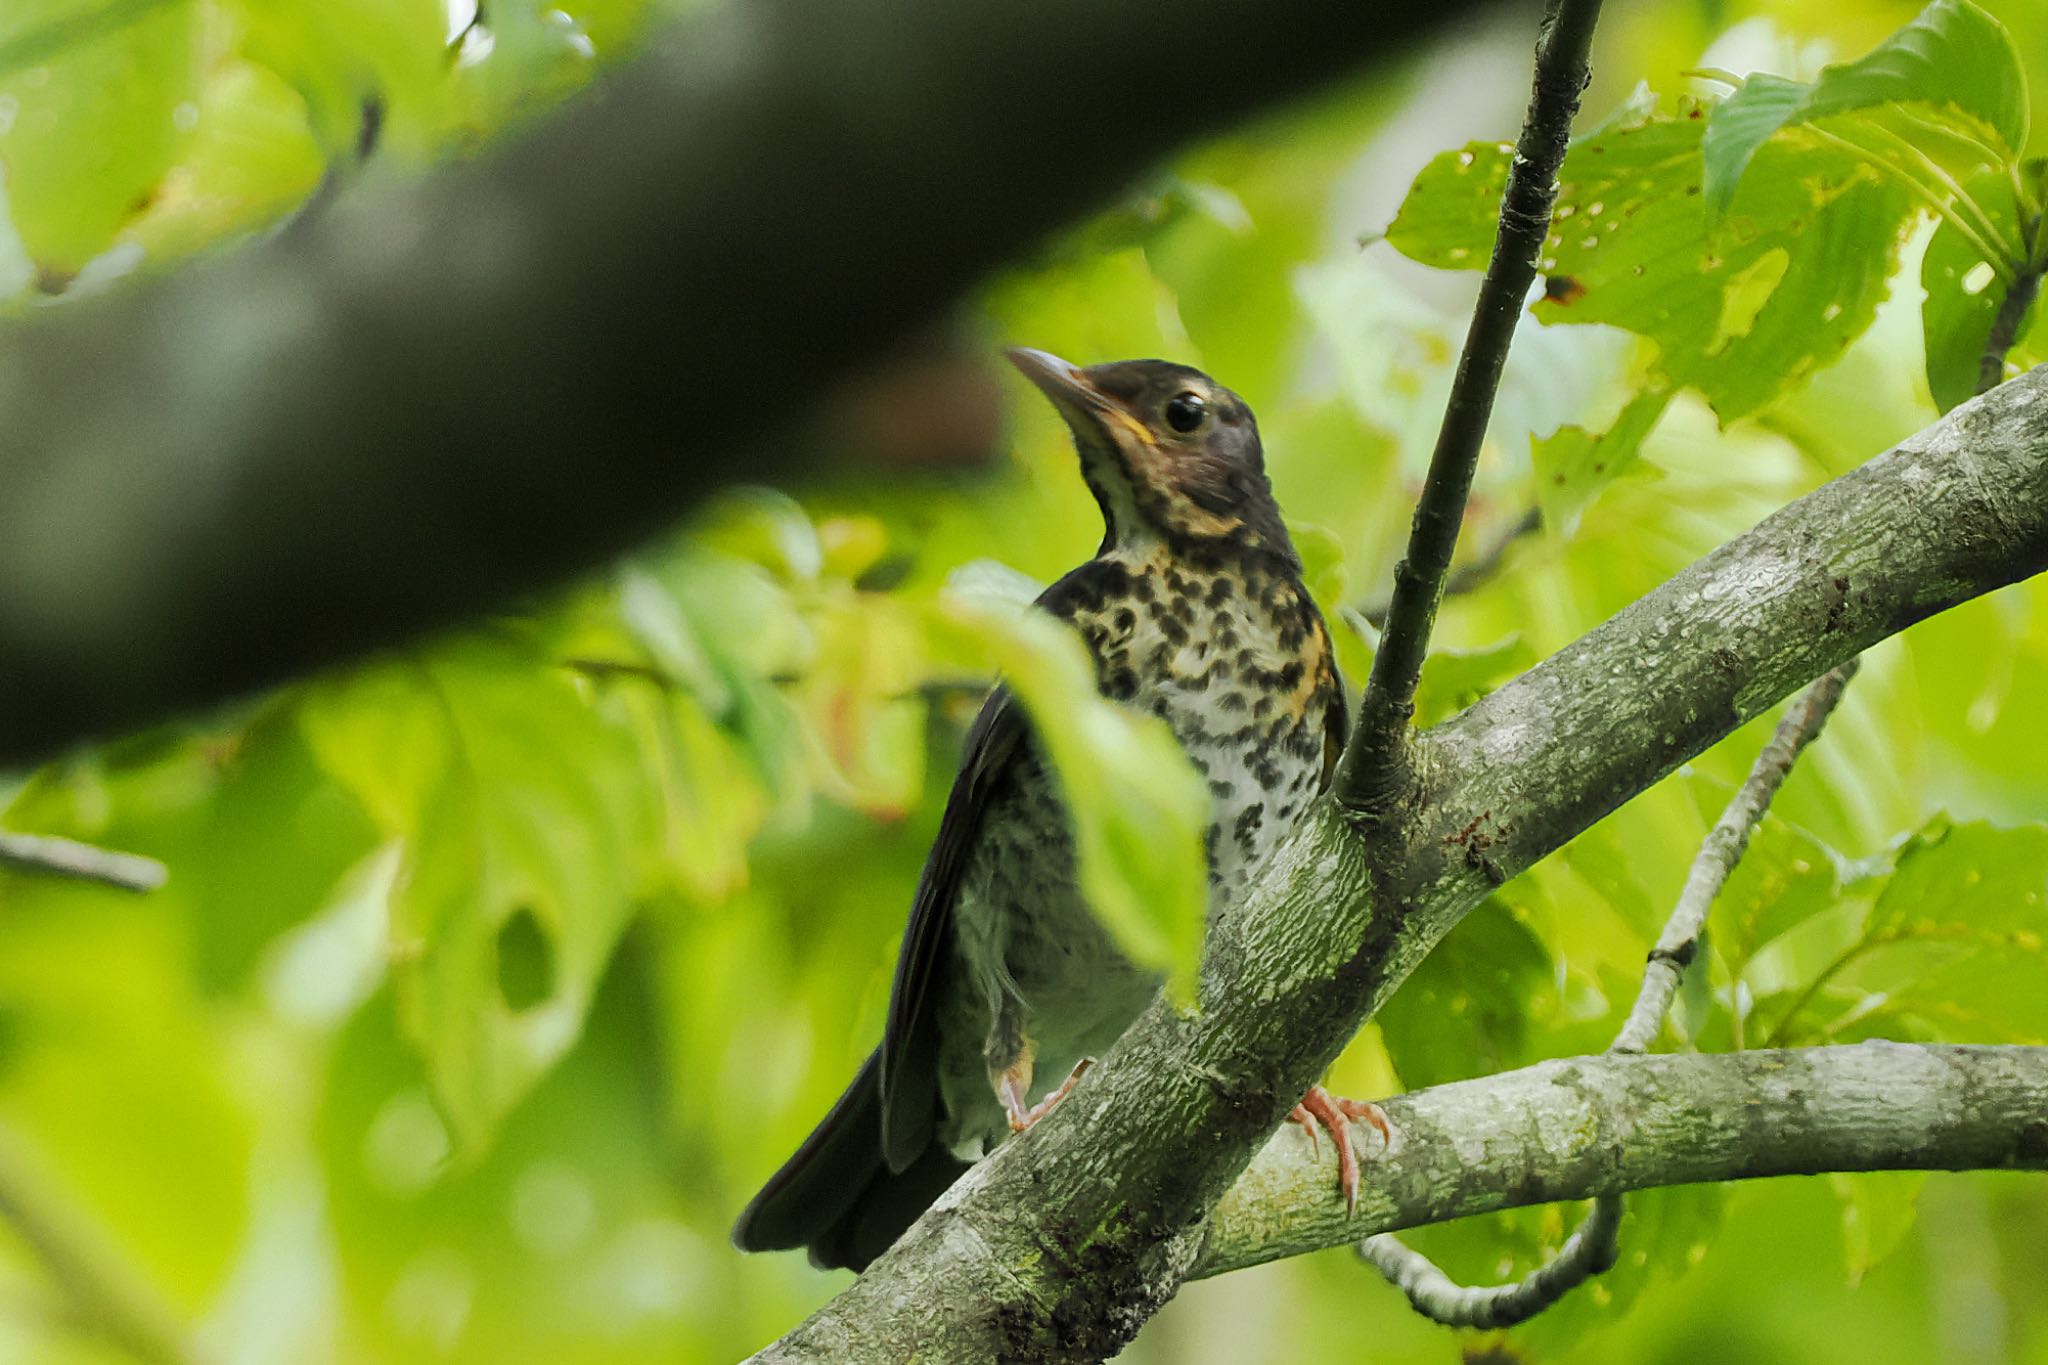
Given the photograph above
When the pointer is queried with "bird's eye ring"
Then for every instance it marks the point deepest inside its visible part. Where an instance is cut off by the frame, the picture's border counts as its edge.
(1184, 411)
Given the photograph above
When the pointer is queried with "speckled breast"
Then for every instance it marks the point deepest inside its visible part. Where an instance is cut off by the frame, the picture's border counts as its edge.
(1238, 664)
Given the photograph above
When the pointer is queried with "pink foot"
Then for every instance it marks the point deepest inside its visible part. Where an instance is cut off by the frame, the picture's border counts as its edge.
(1335, 1113)
(1013, 1097)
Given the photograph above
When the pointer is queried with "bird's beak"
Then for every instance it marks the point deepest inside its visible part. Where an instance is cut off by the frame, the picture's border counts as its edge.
(1065, 384)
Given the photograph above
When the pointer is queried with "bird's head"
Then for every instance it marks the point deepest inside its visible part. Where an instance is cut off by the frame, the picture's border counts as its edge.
(1170, 454)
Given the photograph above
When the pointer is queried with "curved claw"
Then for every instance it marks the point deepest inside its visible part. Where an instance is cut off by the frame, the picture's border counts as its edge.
(1334, 1112)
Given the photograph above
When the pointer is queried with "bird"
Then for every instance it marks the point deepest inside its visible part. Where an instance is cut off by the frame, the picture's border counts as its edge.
(1193, 608)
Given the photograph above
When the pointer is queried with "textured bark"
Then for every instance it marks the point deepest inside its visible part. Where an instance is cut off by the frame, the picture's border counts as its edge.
(1064, 1241)
(1618, 1122)
(429, 398)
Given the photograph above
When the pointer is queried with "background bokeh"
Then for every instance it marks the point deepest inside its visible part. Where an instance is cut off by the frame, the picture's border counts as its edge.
(492, 975)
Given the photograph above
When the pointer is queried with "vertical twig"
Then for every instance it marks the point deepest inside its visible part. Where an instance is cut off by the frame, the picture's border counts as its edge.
(1376, 762)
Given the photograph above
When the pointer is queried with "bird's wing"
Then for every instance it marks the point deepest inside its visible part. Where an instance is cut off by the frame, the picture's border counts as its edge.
(909, 1072)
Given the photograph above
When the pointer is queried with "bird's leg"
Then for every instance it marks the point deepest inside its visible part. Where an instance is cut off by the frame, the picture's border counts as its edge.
(1022, 1119)
(1335, 1113)
(1010, 1058)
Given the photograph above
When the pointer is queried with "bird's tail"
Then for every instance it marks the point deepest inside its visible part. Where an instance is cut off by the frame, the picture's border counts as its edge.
(837, 1195)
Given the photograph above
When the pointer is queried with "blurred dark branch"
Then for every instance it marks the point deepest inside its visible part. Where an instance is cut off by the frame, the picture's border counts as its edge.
(1375, 771)
(434, 397)
(52, 856)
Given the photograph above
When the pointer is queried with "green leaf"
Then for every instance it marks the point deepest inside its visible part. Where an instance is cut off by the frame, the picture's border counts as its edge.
(1956, 943)
(86, 136)
(1953, 58)
(1453, 679)
(1573, 464)
(1139, 808)
(1786, 877)
(1965, 290)
(1878, 1210)
(1742, 309)
(525, 816)
(1465, 1010)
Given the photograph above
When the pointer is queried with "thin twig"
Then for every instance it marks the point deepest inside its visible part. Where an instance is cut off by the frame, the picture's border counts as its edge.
(1375, 765)
(1594, 1246)
(1589, 1251)
(101, 1295)
(1474, 573)
(1720, 851)
(47, 853)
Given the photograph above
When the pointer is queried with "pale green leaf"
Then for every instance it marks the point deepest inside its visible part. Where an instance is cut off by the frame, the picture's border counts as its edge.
(86, 135)
(525, 816)
(1573, 464)
(1138, 806)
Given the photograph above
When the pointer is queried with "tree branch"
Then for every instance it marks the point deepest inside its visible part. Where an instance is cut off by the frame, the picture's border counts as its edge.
(1375, 767)
(50, 855)
(1064, 1241)
(1600, 1126)
(1592, 1248)
(433, 397)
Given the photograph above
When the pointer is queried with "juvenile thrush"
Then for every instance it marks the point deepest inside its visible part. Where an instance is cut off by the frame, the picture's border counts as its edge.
(1194, 609)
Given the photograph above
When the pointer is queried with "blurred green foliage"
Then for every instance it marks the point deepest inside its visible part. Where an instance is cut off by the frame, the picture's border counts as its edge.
(492, 974)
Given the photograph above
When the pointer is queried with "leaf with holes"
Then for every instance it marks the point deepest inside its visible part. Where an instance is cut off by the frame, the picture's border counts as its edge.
(525, 815)
(1741, 309)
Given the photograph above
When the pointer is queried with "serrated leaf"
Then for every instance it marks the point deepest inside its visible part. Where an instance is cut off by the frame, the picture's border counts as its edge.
(1138, 807)
(1956, 945)
(1953, 58)
(524, 815)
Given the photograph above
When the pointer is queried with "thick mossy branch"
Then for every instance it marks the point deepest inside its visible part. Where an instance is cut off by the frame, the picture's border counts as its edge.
(1061, 1244)
(1591, 1126)
(433, 397)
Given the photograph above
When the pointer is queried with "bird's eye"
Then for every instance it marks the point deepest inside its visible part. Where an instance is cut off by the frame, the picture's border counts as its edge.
(1184, 411)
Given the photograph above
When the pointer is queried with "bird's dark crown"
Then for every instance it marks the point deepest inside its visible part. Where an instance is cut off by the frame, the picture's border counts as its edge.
(1169, 453)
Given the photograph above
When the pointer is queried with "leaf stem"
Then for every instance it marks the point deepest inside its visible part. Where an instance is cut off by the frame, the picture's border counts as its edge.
(1375, 767)
(2005, 327)
(1998, 259)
